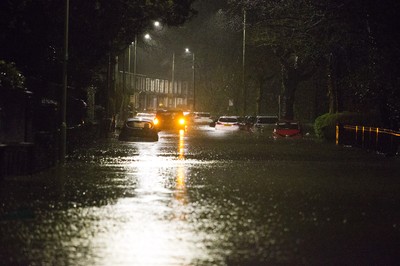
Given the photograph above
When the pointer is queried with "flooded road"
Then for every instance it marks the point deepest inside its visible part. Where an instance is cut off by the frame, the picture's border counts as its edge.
(203, 197)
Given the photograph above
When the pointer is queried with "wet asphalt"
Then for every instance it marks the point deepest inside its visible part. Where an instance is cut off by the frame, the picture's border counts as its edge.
(205, 197)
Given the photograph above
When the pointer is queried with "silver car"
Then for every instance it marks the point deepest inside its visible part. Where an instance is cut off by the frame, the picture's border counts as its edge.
(265, 123)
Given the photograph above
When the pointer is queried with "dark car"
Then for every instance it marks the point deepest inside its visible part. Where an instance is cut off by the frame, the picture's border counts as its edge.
(138, 129)
(170, 119)
(265, 123)
(247, 122)
(287, 129)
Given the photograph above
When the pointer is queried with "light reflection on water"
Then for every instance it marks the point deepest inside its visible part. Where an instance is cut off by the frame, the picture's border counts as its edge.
(151, 228)
(204, 198)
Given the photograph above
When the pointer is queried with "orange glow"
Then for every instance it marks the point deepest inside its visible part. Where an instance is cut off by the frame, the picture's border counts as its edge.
(182, 121)
(155, 121)
(181, 145)
(180, 193)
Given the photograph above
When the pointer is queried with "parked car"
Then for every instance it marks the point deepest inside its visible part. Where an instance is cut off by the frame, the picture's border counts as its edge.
(265, 123)
(202, 118)
(146, 115)
(170, 119)
(138, 129)
(231, 123)
(214, 121)
(287, 129)
(247, 122)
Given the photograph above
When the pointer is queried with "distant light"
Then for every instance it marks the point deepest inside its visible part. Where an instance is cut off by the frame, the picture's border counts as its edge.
(147, 36)
(157, 23)
(187, 50)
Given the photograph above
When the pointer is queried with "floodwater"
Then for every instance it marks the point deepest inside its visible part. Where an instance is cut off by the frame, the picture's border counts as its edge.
(203, 197)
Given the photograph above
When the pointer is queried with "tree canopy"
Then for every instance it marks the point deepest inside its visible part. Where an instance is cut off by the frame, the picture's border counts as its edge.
(349, 45)
(32, 33)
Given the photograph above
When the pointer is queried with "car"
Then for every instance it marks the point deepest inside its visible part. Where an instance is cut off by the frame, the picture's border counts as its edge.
(287, 129)
(247, 123)
(265, 123)
(138, 129)
(146, 115)
(231, 123)
(170, 120)
(202, 118)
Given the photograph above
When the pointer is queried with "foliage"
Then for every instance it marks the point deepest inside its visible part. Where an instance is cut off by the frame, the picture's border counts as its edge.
(32, 33)
(325, 125)
(10, 76)
(353, 43)
(217, 45)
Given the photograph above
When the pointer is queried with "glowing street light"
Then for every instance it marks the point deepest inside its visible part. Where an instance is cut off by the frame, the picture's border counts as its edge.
(187, 50)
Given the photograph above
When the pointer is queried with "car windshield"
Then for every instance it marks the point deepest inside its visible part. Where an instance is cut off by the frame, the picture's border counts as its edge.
(170, 114)
(202, 115)
(228, 119)
(138, 124)
(250, 119)
(150, 115)
(288, 126)
(267, 120)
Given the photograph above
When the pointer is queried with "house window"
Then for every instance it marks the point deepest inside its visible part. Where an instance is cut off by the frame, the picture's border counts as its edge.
(157, 85)
(162, 86)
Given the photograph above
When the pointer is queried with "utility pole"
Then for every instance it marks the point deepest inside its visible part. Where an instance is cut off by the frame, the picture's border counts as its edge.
(63, 129)
(243, 65)
(194, 83)
(173, 75)
(134, 72)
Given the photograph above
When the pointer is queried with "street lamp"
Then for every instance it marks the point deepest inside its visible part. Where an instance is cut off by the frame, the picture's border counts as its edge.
(173, 71)
(244, 65)
(187, 50)
(147, 36)
(63, 128)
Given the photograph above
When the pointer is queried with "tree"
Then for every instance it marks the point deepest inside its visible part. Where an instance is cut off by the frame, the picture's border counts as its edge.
(31, 35)
(352, 41)
(217, 46)
(10, 76)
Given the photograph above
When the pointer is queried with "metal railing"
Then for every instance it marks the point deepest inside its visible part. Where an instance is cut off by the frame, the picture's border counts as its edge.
(372, 138)
(16, 159)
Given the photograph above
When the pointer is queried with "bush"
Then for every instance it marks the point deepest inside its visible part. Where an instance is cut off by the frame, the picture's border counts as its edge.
(325, 125)
(10, 77)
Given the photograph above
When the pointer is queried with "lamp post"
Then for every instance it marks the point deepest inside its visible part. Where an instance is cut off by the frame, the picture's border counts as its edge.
(243, 65)
(187, 50)
(134, 70)
(173, 71)
(63, 129)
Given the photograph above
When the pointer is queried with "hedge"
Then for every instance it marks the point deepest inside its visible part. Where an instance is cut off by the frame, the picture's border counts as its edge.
(325, 125)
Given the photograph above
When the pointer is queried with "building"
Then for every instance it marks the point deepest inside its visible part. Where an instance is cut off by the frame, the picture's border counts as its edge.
(150, 93)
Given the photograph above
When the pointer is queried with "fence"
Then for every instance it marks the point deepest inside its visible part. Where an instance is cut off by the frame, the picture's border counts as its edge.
(15, 159)
(28, 158)
(25, 158)
(372, 138)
